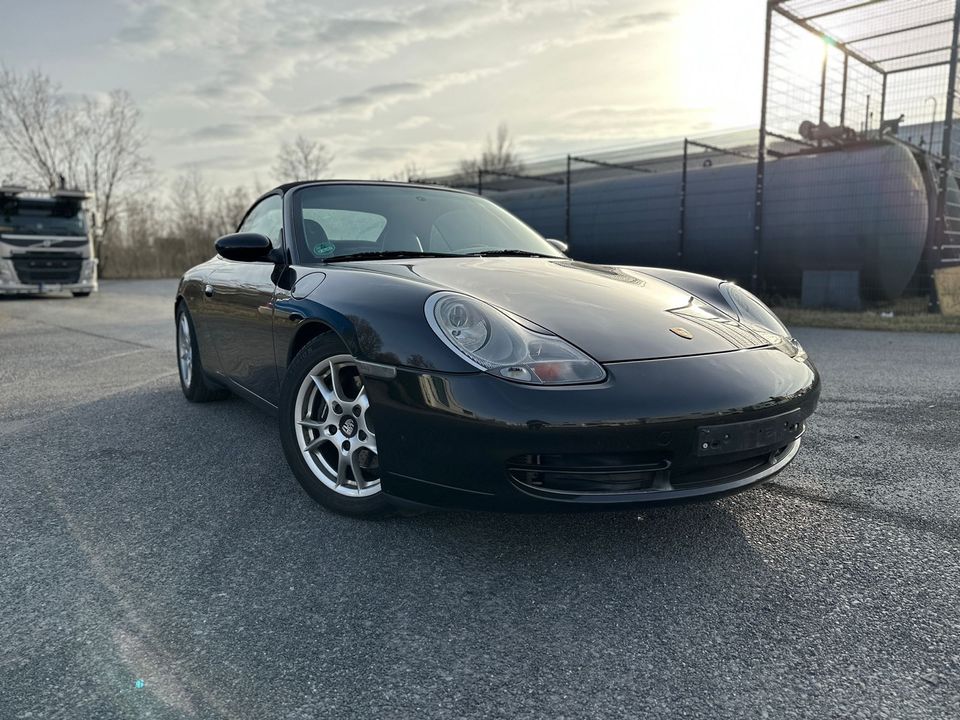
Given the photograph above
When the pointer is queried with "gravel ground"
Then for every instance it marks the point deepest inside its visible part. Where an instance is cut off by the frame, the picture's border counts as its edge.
(158, 560)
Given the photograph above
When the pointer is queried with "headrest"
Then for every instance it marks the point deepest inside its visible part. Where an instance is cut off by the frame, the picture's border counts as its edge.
(314, 232)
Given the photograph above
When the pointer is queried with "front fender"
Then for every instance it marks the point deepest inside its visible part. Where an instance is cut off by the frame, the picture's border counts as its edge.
(379, 318)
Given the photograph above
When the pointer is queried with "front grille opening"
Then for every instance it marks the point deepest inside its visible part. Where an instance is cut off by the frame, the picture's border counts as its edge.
(580, 474)
(626, 473)
(715, 474)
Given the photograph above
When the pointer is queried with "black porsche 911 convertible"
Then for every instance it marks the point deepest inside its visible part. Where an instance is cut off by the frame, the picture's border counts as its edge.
(423, 347)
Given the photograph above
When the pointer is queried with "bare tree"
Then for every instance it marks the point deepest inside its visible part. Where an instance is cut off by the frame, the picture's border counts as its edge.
(498, 156)
(163, 234)
(302, 159)
(410, 172)
(111, 150)
(190, 218)
(200, 214)
(95, 144)
(37, 128)
(230, 206)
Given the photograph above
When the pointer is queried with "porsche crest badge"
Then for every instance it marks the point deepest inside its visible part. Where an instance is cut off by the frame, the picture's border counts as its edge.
(682, 332)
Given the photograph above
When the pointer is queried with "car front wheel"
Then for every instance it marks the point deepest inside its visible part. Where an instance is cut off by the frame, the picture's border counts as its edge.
(328, 436)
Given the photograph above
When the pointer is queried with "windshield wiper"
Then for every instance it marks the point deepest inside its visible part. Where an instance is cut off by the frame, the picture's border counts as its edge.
(505, 253)
(400, 254)
(385, 255)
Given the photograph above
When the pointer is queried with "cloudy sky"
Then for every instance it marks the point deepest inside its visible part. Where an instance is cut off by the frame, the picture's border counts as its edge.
(222, 82)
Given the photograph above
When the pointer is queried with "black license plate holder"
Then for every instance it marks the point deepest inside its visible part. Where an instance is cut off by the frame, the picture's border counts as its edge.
(773, 432)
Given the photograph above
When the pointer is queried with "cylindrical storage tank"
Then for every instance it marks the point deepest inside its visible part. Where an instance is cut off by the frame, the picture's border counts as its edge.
(864, 209)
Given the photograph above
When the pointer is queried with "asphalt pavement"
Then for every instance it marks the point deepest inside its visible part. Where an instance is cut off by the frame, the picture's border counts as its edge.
(158, 559)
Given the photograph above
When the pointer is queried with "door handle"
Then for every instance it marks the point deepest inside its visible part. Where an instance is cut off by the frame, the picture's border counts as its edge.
(208, 290)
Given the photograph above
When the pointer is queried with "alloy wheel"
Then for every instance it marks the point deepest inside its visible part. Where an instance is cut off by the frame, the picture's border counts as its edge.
(184, 349)
(333, 428)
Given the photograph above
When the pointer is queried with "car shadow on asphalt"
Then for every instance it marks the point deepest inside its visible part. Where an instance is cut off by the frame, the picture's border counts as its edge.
(172, 469)
(224, 460)
(180, 527)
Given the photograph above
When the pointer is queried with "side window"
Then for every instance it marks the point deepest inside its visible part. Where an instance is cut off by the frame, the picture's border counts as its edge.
(266, 218)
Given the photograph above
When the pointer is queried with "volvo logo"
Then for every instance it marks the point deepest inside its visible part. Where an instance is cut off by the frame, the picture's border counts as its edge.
(45, 243)
(682, 332)
(348, 426)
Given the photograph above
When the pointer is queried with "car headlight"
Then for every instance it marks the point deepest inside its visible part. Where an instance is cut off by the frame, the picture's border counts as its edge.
(87, 270)
(499, 344)
(751, 311)
(8, 275)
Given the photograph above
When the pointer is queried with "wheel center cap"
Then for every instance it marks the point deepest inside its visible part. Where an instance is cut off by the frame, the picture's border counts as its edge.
(348, 426)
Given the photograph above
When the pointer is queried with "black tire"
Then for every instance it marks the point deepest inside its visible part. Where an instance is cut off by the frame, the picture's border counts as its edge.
(197, 388)
(317, 350)
(81, 293)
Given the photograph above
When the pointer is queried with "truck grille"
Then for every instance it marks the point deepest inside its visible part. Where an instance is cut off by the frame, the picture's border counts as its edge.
(30, 242)
(48, 267)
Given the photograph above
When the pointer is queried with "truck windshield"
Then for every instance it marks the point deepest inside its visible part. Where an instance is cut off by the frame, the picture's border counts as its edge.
(41, 217)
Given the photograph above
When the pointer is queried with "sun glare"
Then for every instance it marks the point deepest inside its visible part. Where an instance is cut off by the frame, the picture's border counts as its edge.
(718, 58)
(803, 56)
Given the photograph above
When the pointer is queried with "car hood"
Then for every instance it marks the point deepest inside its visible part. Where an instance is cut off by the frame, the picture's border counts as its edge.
(612, 313)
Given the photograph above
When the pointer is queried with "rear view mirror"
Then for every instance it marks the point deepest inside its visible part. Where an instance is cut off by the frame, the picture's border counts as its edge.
(559, 245)
(244, 247)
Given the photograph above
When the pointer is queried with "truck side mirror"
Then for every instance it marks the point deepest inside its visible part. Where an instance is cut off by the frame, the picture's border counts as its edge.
(95, 225)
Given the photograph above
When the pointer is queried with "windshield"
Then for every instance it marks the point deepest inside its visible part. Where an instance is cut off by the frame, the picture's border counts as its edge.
(341, 220)
(41, 217)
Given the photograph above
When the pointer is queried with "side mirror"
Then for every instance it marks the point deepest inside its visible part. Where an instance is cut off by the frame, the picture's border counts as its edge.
(244, 247)
(559, 245)
(95, 226)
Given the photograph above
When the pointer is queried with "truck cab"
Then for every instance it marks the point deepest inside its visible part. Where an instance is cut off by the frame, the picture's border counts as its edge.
(46, 242)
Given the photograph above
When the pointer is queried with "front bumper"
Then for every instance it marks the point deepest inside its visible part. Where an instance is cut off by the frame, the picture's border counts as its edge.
(44, 288)
(85, 281)
(643, 436)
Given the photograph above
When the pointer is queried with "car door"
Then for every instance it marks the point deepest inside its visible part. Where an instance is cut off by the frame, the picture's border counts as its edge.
(239, 300)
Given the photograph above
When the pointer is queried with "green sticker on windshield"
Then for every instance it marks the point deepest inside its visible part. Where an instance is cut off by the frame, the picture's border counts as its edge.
(324, 249)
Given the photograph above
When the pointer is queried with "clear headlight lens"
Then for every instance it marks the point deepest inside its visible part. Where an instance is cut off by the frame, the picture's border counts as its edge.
(8, 275)
(87, 271)
(496, 343)
(752, 311)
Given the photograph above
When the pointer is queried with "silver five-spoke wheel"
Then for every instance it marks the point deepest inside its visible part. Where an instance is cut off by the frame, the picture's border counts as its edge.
(333, 428)
(184, 349)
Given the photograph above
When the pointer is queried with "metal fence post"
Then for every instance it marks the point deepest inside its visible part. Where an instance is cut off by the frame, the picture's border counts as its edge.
(946, 165)
(883, 101)
(823, 82)
(761, 155)
(843, 91)
(683, 200)
(566, 209)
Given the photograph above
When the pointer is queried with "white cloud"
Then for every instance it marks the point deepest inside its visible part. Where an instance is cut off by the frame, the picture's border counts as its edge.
(250, 46)
(365, 104)
(382, 82)
(414, 121)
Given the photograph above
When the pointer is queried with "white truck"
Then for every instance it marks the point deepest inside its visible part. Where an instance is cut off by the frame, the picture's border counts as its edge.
(46, 242)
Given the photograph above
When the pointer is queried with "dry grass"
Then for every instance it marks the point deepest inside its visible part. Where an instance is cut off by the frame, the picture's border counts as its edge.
(868, 320)
(164, 258)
